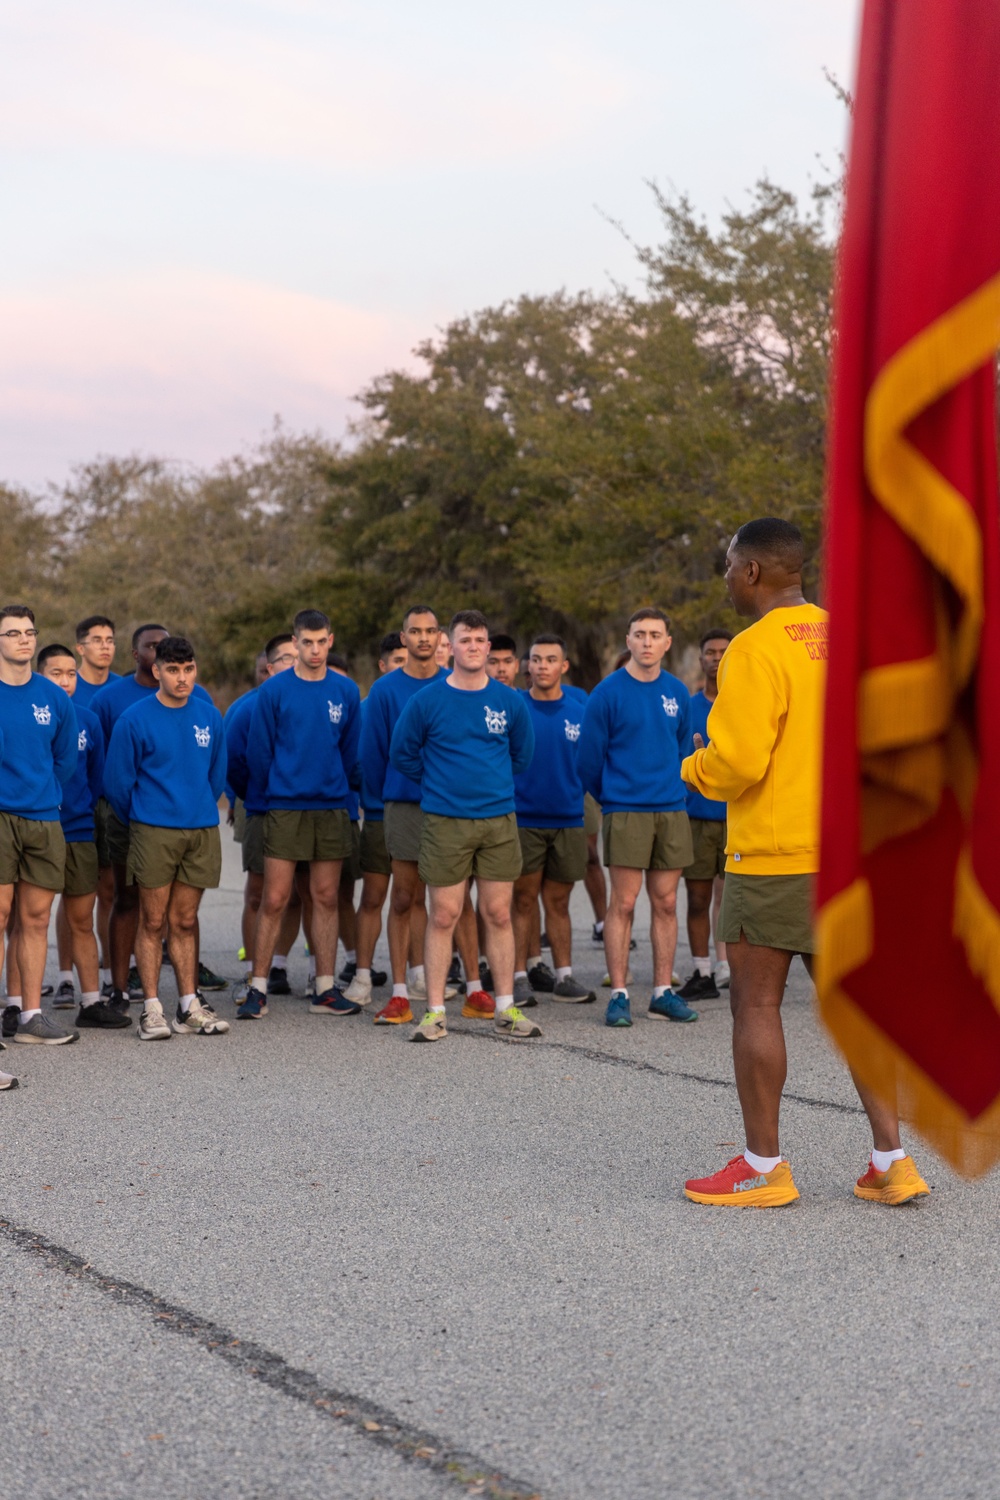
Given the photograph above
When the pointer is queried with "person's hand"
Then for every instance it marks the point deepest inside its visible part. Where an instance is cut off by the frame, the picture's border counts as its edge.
(231, 816)
(699, 743)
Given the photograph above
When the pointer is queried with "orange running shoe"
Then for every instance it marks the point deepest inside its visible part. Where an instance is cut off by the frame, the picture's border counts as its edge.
(739, 1186)
(395, 1013)
(478, 1006)
(901, 1183)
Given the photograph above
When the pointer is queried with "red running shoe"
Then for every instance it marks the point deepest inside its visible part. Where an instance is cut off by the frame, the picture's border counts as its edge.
(738, 1185)
(395, 1013)
(479, 1006)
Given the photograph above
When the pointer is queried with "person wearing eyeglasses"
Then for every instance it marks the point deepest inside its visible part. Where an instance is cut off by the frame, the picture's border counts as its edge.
(39, 749)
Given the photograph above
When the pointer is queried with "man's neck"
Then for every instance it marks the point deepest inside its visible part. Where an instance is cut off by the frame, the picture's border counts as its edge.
(546, 695)
(711, 688)
(469, 682)
(790, 598)
(414, 667)
(15, 673)
(640, 673)
(309, 674)
(143, 679)
(170, 702)
(94, 676)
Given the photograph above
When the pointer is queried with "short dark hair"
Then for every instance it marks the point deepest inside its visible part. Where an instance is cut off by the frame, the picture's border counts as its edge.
(141, 630)
(310, 619)
(473, 619)
(48, 652)
(501, 642)
(271, 649)
(648, 612)
(714, 635)
(773, 538)
(17, 612)
(86, 626)
(418, 609)
(174, 648)
(388, 644)
(334, 658)
(548, 638)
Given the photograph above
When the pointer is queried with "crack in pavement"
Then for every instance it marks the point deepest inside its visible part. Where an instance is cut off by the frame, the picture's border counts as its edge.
(415, 1445)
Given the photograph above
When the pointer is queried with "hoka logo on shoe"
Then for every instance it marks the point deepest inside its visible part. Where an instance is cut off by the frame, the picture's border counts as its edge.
(748, 1183)
(670, 706)
(496, 722)
(572, 730)
(336, 711)
(43, 713)
(81, 741)
(203, 736)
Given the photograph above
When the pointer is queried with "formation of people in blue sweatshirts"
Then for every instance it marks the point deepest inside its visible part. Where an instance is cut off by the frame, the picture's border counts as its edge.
(444, 779)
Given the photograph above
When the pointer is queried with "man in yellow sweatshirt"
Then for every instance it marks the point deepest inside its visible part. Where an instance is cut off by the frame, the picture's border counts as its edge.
(763, 760)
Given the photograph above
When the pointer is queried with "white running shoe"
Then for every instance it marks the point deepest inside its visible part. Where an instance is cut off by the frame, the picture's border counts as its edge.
(359, 990)
(722, 976)
(200, 1020)
(152, 1026)
(417, 990)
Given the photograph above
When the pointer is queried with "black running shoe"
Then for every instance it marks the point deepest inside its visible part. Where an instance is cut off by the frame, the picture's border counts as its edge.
(346, 974)
(277, 982)
(8, 1025)
(545, 941)
(209, 981)
(117, 1001)
(165, 956)
(699, 987)
(102, 1014)
(65, 996)
(485, 977)
(542, 979)
(133, 985)
(379, 977)
(455, 972)
(597, 934)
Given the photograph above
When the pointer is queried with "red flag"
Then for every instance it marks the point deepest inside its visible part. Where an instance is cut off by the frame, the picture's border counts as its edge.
(909, 886)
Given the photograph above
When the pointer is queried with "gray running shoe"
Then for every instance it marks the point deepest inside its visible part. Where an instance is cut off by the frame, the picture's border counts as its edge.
(65, 996)
(43, 1032)
(571, 993)
(431, 1029)
(152, 1026)
(200, 1020)
(524, 995)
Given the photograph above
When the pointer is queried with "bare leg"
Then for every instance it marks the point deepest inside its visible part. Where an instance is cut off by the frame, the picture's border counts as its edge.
(555, 899)
(626, 884)
(80, 919)
(494, 907)
(182, 918)
(407, 893)
(347, 916)
(446, 907)
(34, 905)
(883, 1118)
(467, 942)
(662, 888)
(279, 876)
(699, 894)
(64, 939)
(324, 887)
(124, 924)
(253, 889)
(290, 922)
(526, 893)
(755, 993)
(105, 902)
(153, 903)
(374, 889)
(6, 917)
(594, 880)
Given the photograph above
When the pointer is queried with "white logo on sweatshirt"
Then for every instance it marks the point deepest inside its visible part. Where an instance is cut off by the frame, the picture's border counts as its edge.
(203, 736)
(81, 741)
(670, 706)
(336, 711)
(43, 713)
(496, 722)
(572, 730)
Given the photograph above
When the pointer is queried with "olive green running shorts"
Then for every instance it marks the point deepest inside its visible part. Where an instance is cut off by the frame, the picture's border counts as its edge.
(239, 821)
(647, 840)
(708, 836)
(81, 869)
(560, 853)
(404, 822)
(309, 834)
(774, 911)
(452, 849)
(352, 865)
(111, 836)
(591, 815)
(374, 853)
(32, 850)
(159, 856)
(253, 844)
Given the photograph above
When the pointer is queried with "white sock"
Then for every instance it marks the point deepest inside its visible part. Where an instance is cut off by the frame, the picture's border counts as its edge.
(363, 974)
(131, 961)
(722, 969)
(28, 1015)
(186, 1002)
(155, 1000)
(622, 991)
(883, 1160)
(259, 982)
(351, 954)
(279, 961)
(399, 991)
(417, 975)
(14, 1000)
(533, 962)
(105, 976)
(436, 1010)
(324, 982)
(504, 1002)
(65, 976)
(599, 928)
(90, 997)
(566, 973)
(520, 974)
(760, 1163)
(660, 989)
(703, 965)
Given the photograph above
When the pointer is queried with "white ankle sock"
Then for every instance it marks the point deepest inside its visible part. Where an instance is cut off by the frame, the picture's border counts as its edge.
(105, 976)
(364, 974)
(28, 1015)
(760, 1163)
(351, 954)
(417, 976)
(259, 982)
(504, 1002)
(186, 1002)
(660, 989)
(702, 965)
(90, 997)
(279, 961)
(400, 991)
(324, 982)
(520, 974)
(566, 973)
(65, 976)
(883, 1160)
(533, 962)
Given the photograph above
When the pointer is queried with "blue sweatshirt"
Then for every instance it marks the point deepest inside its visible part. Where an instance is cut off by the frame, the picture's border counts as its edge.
(236, 726)
(634, 735)
(86, 692)
(81, 793)
(388, 697)
(549, 794)
(697, 805)
(118, 694)
(303, 743)
(464, 749)
(167, 766)
(371, 800)
(39, 737)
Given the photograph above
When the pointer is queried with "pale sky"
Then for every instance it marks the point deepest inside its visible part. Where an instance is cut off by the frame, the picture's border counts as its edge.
(219, 211)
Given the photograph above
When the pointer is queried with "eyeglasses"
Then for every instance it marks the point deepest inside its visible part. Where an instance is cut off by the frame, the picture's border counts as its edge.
(19, 635)
(283, 658)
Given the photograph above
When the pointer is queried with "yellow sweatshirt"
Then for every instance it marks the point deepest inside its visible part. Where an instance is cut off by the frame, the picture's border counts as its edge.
(766, 730)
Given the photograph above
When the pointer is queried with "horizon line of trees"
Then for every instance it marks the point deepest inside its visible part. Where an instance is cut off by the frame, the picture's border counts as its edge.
(557, 461)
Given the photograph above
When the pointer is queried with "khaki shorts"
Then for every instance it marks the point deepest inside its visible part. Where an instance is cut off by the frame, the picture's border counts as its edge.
(239, 821)
(80, 878)
(111, 835)
(352, 865)
(404, 825)
(159, 856)
(452, 849)
(374, 853)
(647, 840)
(309, 834)
(591, 815)
(560, 853)
(774, 911)
(253, 844)
(32, 850)
(708, 836)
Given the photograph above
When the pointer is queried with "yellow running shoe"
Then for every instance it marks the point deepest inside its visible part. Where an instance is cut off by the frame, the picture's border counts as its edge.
(738, 1185)
(901, 1183)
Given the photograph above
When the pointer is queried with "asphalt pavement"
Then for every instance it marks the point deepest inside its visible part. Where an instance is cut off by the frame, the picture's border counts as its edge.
(309, 1259)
